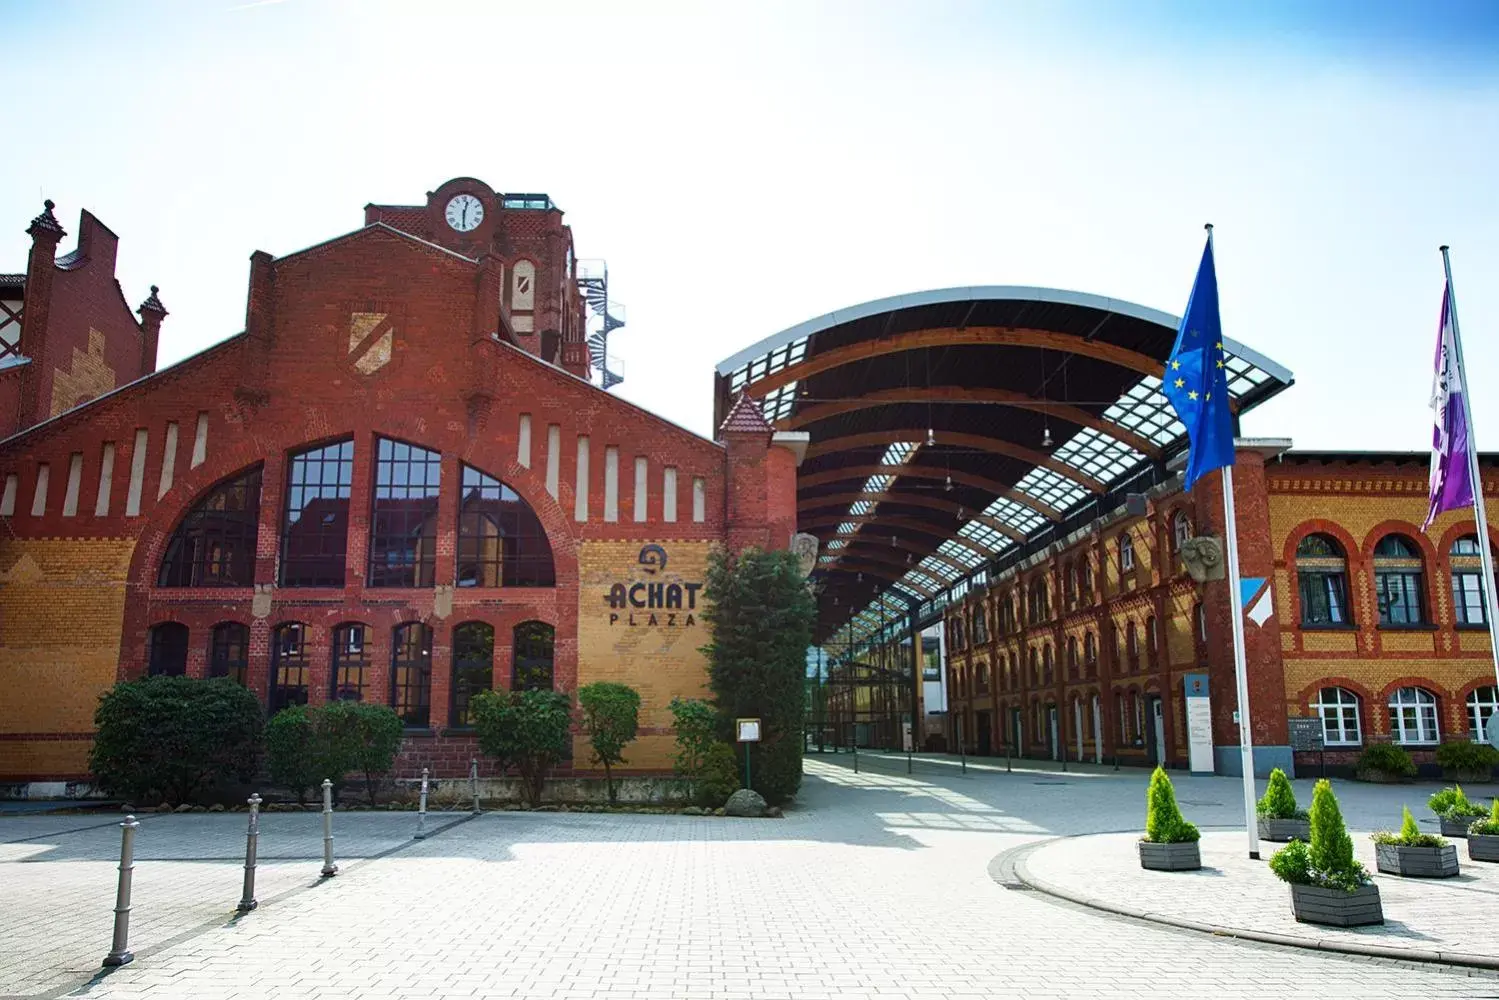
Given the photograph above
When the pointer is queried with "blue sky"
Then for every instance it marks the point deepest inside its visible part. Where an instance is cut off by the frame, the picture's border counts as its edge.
(746, 167)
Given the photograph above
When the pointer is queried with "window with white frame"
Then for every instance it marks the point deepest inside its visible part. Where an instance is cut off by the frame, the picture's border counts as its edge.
(1126, 552)
(1338, 709)
(1181, 530)
(1467, 581)
(1483, 702)
(1413, 716)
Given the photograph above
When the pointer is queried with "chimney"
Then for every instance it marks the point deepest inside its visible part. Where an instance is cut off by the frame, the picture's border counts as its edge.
(152, 313)
(97, 242)
(45, 233)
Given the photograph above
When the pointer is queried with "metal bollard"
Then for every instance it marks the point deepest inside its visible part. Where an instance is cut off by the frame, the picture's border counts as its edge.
(473, 782)
(252, 838)
(119, 950)
(329, 868)
(421, 810)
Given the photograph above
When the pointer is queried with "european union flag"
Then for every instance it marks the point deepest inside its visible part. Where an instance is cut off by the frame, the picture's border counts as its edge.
(1195, 380)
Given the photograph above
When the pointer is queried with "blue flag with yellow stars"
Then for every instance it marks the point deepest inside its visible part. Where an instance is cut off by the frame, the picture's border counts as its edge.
(1195, 380)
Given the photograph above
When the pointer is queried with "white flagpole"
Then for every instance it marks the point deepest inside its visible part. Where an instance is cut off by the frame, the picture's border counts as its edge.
(1241, 672)
(1491, 604)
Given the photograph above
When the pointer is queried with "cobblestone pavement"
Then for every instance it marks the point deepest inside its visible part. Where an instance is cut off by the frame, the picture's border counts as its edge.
(875, 887)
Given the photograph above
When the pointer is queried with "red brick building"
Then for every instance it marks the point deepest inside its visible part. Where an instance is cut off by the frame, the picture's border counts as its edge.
(396, 483)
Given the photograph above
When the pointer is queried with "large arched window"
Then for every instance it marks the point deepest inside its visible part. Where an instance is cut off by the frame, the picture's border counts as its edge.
(403, 518)
(351, 661)
(214, 544)
(1413, 716)
(229, 652)
(1397, 581)
(501, 542)
(532, 666)
(1338, 709)
(473, 667)
(411, 674)
(1467, 581)
(315, 524)
(1322, 581)
(288, 666)
(1483, 702)
(166, 654)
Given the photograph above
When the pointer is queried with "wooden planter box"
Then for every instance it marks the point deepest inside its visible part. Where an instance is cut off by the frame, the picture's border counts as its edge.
(1313, 904)
(1483, 846)
(1283, 831)
(1170, 857)
(1416, 862)
(1457, 826)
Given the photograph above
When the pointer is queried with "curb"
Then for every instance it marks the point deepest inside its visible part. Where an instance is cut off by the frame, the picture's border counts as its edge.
(1012, 862)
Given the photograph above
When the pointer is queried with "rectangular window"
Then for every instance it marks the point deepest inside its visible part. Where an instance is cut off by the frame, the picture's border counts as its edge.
(106, 479)
(315, 523)
(137, 472)
(288, 667)
(229, 652)
(39, 494)
(580, 485)
(411, 675)
(611, 483)
(1399, 597)
(1467, 598)
(669, 494)
(75, 483)
(351, 661)
(403, 521)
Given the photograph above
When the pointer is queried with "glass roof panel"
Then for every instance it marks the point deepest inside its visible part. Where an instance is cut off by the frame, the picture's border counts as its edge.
(1098, 455)
(1016, 514)
(1050, 488)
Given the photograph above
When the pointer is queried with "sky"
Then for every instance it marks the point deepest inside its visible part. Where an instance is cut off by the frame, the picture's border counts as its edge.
(745, 167)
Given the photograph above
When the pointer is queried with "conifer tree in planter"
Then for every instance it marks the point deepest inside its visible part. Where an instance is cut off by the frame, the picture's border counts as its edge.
(1483, 837)
(1455, 811)
(1414, 854)
(1170, 842)
(1279, 818)
(1327, 885)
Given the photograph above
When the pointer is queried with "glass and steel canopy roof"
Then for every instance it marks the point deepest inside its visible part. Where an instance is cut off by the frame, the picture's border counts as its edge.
(956, 428)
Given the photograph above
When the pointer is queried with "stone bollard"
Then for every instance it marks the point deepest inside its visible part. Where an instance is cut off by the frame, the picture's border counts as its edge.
(119, 950)
(252, 838)
(421, 810)
(473, 782)
(329, 868)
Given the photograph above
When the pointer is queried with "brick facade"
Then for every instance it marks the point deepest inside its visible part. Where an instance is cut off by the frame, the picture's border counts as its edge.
(1354, 499)
(404, 330)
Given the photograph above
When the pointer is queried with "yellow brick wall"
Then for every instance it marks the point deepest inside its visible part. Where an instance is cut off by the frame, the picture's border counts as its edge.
(62, 605)
(660, 661)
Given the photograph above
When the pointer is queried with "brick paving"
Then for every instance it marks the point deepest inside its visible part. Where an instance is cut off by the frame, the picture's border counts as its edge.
(875, 886)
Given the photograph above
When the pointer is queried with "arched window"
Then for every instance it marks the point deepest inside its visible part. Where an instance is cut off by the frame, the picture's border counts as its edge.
(411, 675)
(1085, 581)
(1483, 702)
(1035, 668)
(1467, 581)
(1322, 580)
(980, 625)
(1072, 657)
(1181, 530)
(315, 524)
(229, 652)
(473, 667)
(1413, 716)
(981, 677)
(166, 653)
(1126, 553)
(1338, 709)
(1139, 718)
(532, 645)
(288, 666)
(1046, 664)
(1123, 720)
(501, 542)
(1069, 587)
(1090, 652)
(403, 521)
(351, 661)
(1397, 581)
(1132, 646)
(214, 544)
(1150, 637)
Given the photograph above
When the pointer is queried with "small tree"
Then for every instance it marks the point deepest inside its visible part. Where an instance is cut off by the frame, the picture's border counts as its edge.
(528, 730)
(1331, 847)
(367, 737)
(696, 725)
(611, 716)
(1164, 823)
(173, 737)
(289, 747)
(1279, 800)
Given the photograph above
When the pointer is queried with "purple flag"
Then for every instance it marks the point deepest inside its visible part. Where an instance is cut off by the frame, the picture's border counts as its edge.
(1451, 483)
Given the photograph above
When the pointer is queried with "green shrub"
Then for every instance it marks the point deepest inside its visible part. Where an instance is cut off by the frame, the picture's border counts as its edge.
(1279, 800)
(305, 745)
(527, 730)
(696, 725)
(1328, 860)
(289, 750)
(1410, 835)
(1488, 827)
(369, 738)
(611, 716)
(718, 777)
(1164, 823)
(1452, 803)
(174, 737)
(1386, 759)
(762, 617)
(1466, 757)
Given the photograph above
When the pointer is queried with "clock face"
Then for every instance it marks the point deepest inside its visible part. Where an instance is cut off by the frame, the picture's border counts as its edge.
(465, 212)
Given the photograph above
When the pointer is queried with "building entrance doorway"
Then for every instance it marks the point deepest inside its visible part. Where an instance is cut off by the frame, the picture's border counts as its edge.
(1056, 736)
(1155, 734)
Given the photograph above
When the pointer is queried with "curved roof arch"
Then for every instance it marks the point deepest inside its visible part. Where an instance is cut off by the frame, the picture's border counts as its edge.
(970, 423)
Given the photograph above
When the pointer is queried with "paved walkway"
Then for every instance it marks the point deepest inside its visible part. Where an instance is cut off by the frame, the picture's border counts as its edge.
(1434, 918)
(875, 887)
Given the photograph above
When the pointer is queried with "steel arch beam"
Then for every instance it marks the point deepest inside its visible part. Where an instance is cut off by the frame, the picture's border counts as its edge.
(859, 472)
(997, 446)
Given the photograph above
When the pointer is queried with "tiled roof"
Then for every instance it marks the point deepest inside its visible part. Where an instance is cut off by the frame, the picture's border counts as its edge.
(152, 304)
(745, 417)
(46, 220)
(12, 279)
